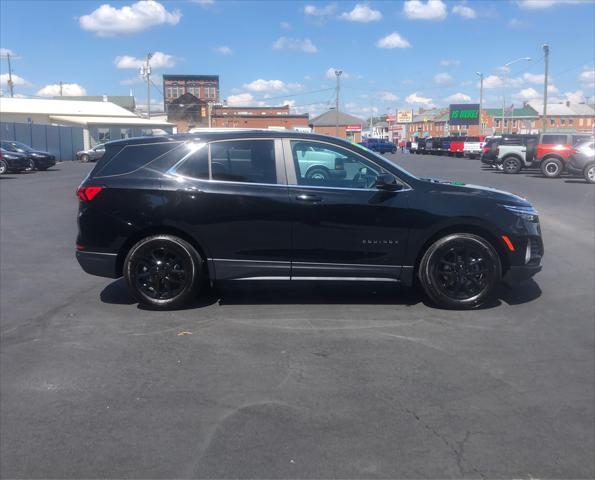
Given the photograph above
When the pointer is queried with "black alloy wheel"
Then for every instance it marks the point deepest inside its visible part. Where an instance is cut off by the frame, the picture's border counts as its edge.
(552, 168)
(30, 165)
(460, 271)
(163, 271)
(511, 165)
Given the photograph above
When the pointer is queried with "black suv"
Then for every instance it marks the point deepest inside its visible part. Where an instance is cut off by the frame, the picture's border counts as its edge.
(169, 213)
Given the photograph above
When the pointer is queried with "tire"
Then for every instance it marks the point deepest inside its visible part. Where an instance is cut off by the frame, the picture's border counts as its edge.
(85, 158)
(3, 167)
(174, 282)
(393, 151)
(589, 173)
(460, 271)
(552, 167)
(511, 165)
(318, 173)
(30, 166)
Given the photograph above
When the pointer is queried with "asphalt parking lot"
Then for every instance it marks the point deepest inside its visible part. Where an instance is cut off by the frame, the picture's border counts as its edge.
(302, 382)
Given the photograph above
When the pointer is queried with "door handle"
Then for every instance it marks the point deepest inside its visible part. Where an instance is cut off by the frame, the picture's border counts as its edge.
(305, 197)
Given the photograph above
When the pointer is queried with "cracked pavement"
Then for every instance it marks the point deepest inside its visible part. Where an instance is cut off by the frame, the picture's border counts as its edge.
(270, 381)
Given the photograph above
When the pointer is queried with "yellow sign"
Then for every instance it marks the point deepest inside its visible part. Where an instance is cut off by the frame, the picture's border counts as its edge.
(404, 116)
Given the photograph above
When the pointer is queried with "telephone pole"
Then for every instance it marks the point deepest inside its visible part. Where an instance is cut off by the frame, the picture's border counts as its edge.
(546, 54)
(10, 83)
(480, 101)
(338, 74)
(145, 72)
(60, 87)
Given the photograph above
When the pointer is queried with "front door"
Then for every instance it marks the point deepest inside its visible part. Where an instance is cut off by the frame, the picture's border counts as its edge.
(342, 225)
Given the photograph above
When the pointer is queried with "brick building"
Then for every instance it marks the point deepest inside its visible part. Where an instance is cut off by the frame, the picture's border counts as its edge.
(257, 117)
(186, 98)
(350, 127)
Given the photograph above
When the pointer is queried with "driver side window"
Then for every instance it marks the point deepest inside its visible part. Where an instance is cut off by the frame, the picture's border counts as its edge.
(324, 165)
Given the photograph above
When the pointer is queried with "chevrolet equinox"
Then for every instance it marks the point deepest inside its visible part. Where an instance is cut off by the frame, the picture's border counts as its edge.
(171, 213)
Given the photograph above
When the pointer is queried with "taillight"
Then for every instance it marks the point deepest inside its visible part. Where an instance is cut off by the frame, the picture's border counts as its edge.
(486, 149)
(86, 194)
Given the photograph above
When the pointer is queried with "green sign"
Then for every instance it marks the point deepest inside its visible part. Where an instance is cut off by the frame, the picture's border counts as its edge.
(464, 114)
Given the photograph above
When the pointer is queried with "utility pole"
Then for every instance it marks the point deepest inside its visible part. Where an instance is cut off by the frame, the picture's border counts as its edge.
(546, 53)
(480, 101)
(210, 109)
(338, 74)
(10, 84)
(145, 72)
(60, 87)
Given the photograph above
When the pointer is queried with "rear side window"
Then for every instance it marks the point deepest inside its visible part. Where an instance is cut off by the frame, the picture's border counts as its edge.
(250, 161)
(196, 162)
(553, 139)
(133, 157)
(579, 138)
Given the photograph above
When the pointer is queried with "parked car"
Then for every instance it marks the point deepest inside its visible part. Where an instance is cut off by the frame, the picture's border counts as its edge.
(174, 212)
(473, 146)
(444, 145)
(318, 163)
(457, 146)
(92, 154)
(421, 146)
(515, 152)
(379, 145)
(430, 145)
(554, 150)
(38, 159)
(13, 162)
(412, 146)
(582, 161)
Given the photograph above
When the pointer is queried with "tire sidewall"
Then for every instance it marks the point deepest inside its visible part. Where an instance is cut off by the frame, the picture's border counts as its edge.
(511, 161)
(586, 172)
(189, 291)
(320, 170)
(433, 291)
(85, 158)
(551, 161)
(3, 167)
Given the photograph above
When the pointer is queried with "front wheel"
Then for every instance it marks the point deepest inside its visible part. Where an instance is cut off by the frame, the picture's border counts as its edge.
(511, 165)
(318, 173)
(552, 167)
(85, 158)
(459, 271)
(3, 167)
(163, 271)
(30, 165)
(589, 173)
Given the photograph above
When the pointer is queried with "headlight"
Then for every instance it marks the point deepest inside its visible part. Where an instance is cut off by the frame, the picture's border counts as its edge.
(526, 212)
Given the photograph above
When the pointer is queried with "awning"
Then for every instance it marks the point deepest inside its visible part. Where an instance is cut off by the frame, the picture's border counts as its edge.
(124, 121)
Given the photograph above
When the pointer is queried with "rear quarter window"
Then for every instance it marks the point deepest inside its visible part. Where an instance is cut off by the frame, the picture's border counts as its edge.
(133, 157)
(553, 139)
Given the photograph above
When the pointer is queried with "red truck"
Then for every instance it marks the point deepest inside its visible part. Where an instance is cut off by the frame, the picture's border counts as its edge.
(554, 150)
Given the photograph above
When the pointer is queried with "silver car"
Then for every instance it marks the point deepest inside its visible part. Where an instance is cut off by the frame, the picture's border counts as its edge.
(92, 154)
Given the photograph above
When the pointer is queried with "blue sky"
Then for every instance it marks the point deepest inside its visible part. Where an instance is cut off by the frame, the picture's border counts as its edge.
(394, 54)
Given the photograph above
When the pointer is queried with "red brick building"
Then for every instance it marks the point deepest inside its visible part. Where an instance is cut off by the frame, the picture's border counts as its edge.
(257, 117)
(186, 99)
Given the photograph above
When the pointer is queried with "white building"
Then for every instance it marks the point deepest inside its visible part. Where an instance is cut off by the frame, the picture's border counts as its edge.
(101, 121)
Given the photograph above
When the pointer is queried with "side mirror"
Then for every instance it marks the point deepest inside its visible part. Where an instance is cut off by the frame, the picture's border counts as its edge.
(387, 181)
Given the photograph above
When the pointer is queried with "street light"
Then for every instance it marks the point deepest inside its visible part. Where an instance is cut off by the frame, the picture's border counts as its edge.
(338, 73)
(506, 69)
(480, 75)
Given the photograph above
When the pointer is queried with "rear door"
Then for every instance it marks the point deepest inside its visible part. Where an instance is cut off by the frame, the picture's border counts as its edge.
(343, 226)
(234, 200)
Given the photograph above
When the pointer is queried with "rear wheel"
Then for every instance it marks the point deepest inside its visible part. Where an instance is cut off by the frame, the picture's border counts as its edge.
(318, 173)
(84, 158)
(589, 173)
(511, 165)
(460, 271)
(552, 167)
(163, 271)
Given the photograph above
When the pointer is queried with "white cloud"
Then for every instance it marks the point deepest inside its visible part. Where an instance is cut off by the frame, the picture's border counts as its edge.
(223, 50)
(528, 94)
(296, 44)
(16, 80)
(276, 86)
(538, 4)
(394, 40)
(587, 78)
(464, 11)
(7, 51)
(450, 63)
(158, 60)
(315, 11)
(442, 78)
(415, 98)
(285, 25)
(429, 10)
(388, 97)
(575, 97)
(492, 81)
(458, 97)
(107, 21)
(537, 79)
(68, 90)
(362, 13)
(243, 99)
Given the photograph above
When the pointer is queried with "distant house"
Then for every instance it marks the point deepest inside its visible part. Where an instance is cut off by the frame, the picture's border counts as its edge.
(339, 124)
(258, 117)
